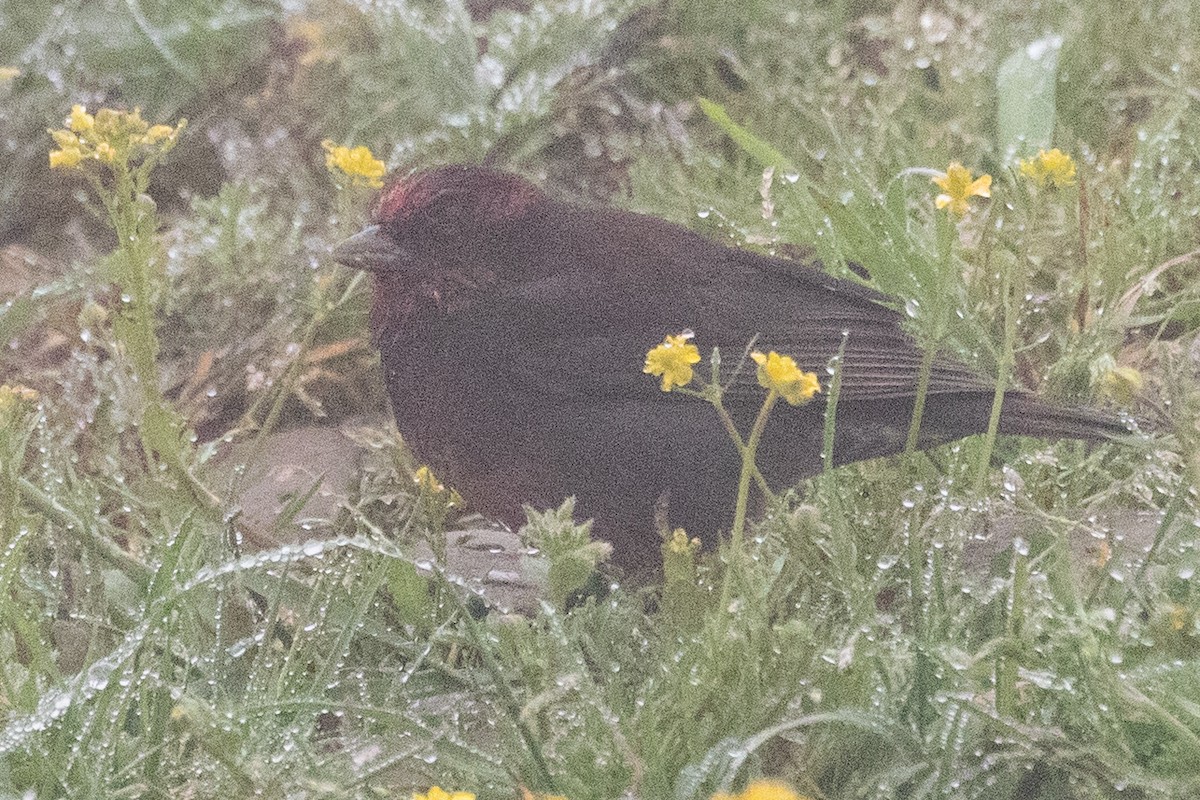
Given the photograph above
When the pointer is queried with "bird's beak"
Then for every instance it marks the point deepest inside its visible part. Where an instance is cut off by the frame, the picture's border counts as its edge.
(372, 250)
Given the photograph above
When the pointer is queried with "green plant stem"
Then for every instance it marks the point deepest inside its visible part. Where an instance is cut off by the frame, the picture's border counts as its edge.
(132, 215)
(1004, 369)
(290, 375)
(732, 430)
(916, 571)
(1006, 665)
(923, 377)
(543, 780)
(835, 392)
(933, 329)
(737, 534)
(102, 542)
(134, 238)
(322, 310)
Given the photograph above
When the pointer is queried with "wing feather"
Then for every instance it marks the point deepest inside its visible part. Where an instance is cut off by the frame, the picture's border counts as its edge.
(583, 328)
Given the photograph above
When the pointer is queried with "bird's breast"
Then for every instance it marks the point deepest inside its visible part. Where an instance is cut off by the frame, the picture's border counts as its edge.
(453, 414)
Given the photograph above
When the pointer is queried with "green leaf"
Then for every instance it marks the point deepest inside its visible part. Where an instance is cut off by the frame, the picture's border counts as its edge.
(1025, 86)
(758, 149)
(570, 554)
(410, 594)
(162, 431)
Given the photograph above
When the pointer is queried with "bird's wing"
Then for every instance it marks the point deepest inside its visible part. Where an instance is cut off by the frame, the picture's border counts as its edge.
(578, 333)
(809, 315)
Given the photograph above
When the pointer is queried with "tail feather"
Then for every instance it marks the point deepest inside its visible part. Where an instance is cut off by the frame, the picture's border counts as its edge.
(1026, 415)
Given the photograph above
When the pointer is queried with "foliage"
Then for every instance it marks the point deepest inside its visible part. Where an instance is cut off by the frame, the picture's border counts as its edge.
(989, 620)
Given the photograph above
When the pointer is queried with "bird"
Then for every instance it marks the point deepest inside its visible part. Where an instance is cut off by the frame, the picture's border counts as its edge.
(513, 328)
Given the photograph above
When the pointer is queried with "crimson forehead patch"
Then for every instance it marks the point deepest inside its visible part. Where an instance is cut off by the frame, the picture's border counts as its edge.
(489, 195)
(401, 198)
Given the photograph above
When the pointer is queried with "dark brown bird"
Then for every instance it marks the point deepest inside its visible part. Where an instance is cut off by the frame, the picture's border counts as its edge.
(513, 330)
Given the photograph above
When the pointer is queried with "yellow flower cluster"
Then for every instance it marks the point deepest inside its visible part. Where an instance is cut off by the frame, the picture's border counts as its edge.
(363, 168)
(763, 790)
(8, 73)
(680, 544)
(781, 374)
(110, 137)
(423, 476)
(673, 360)
(1051, 168)
(958, 187)
(438, 793)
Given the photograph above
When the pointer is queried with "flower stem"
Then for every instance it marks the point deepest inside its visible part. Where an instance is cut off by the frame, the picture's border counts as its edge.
(732, 430)
(926, 371)
(737, 534)
(748, 469)
(1004, 368)
(835, 392)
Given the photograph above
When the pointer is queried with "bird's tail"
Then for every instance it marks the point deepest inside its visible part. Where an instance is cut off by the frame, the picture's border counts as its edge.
(1025, 415)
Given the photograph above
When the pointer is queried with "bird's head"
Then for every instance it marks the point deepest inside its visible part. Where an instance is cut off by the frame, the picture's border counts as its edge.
(439, 222)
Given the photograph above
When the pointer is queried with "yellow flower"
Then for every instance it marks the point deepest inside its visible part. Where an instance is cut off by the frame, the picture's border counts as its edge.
(958, 188)
(8, 73)
(673, 360)
(781, 374)
(438, 793)
(763, 790)
(109, 119)
(158, 133)
(423, 477)
(1055, 168)
(363, 168)
(65, 139)
(680, 543)
(80, 121)
(66, 158)
(110, 137)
